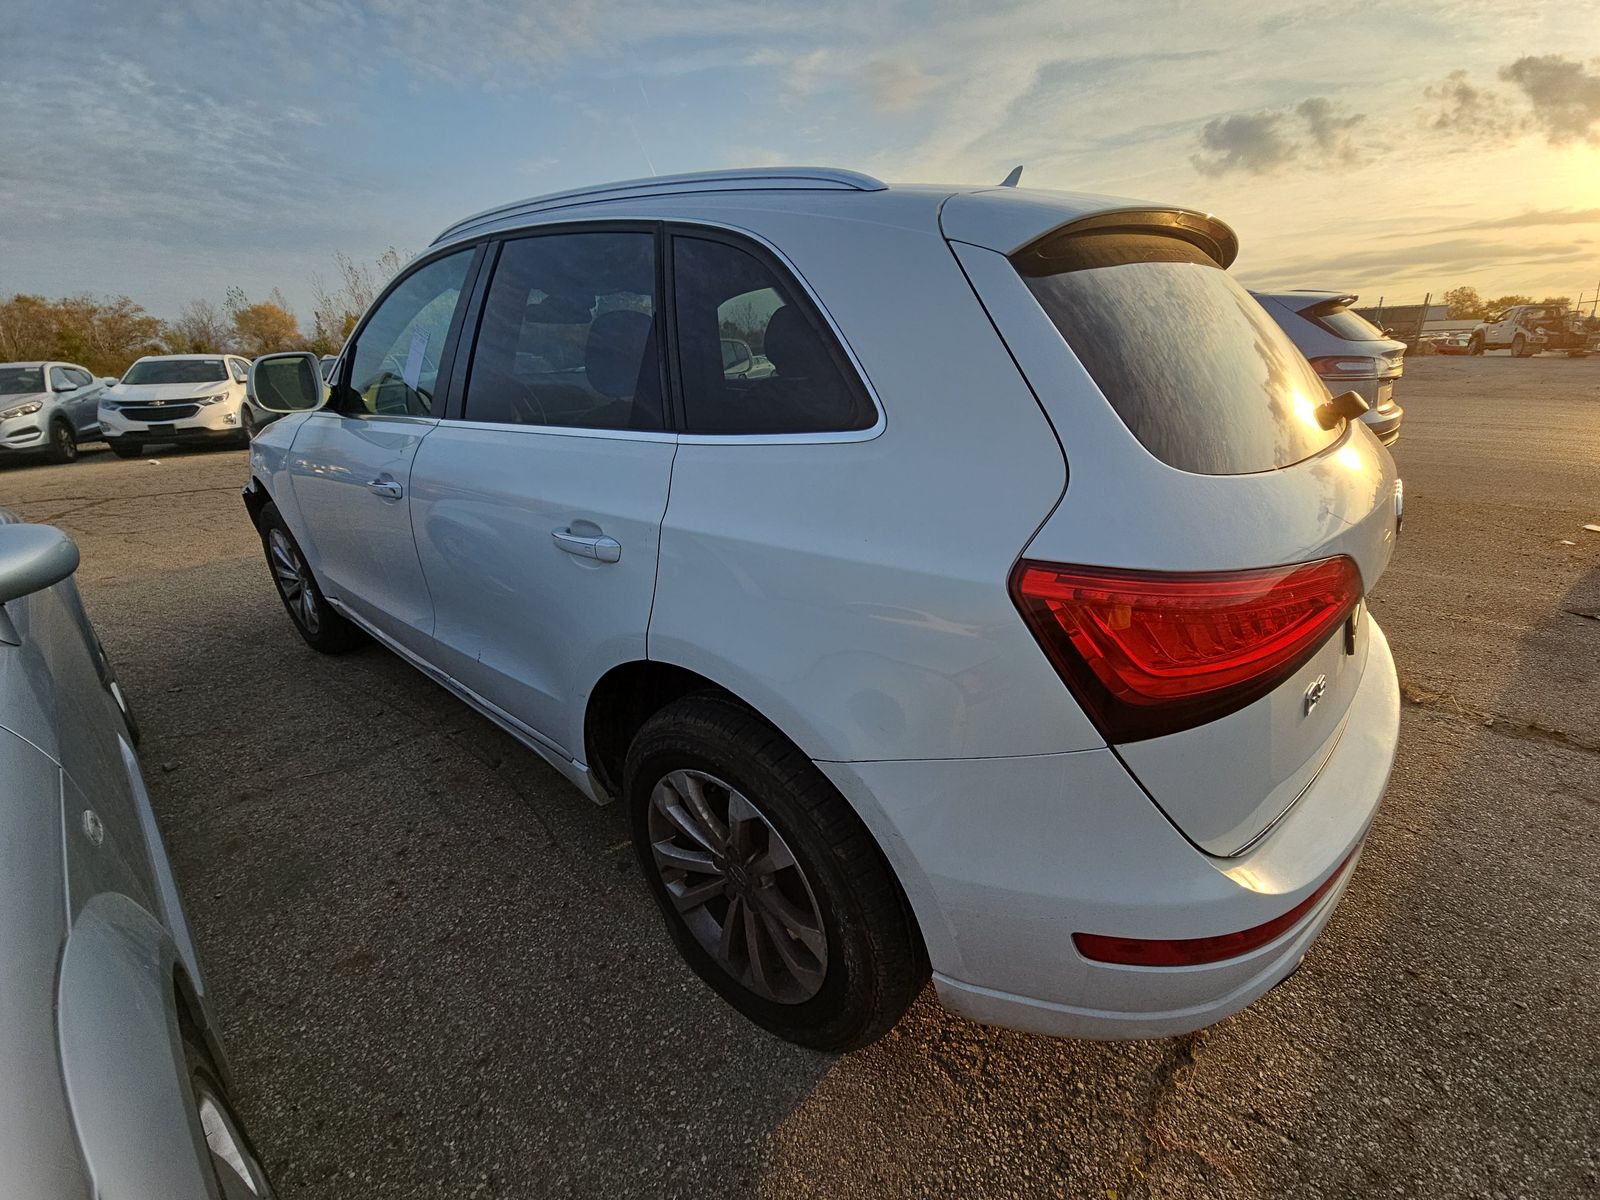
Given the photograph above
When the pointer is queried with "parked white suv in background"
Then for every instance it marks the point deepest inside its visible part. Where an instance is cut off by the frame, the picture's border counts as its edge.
(180, 399)
(1011, 624)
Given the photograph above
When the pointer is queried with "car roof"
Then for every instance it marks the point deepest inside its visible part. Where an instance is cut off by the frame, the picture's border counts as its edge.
(38, 362)
(994, 217)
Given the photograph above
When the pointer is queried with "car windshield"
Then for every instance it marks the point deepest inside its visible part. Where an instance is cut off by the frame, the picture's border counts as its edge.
(21, 381)
(176, 370)
(1196, 369)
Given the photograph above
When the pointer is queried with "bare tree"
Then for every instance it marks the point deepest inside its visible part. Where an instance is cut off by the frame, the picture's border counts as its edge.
(201, 327)
(338, 306)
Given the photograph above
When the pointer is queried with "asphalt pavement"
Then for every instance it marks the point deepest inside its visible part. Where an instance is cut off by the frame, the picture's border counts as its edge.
(440, 975)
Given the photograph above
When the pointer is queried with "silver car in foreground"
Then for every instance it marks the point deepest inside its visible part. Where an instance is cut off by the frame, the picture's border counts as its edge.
(111, 1079)
(1348, 351)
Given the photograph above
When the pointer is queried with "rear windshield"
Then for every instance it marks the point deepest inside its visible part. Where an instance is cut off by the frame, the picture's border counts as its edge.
(176, 370)
(1199, 373)
(1344, 323)
(21, 381)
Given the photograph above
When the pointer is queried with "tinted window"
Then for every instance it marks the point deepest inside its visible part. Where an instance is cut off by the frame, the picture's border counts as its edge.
(1203, 377)
(568, 335)
(1344, 323)
(79, 377)
(755, 358)
(396, 364)
(21, 381)
(60, 380)
(176, 370)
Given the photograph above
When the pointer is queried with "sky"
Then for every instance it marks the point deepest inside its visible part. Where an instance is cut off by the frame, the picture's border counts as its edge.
(170, 150)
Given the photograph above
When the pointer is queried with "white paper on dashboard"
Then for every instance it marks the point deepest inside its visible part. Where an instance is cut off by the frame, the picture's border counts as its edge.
(413, 371)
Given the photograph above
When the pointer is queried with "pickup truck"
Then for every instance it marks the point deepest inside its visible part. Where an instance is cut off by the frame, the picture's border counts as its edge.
(1527, 329)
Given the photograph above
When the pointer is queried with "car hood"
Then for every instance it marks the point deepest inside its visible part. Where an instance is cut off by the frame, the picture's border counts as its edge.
(144, 393)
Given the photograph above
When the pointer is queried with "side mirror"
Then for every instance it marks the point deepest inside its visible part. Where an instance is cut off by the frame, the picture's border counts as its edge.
(1346, 406)
(288, 383)
(68, 386)
(111, 381)
(32, 558)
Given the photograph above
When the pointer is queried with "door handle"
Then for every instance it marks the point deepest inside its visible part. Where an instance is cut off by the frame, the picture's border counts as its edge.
(600, 547)
(387, 488)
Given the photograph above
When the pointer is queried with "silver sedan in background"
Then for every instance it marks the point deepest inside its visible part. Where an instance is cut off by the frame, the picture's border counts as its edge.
(111, 1079)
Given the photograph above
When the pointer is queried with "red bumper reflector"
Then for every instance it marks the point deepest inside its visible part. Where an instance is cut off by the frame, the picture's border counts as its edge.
(1189, 952)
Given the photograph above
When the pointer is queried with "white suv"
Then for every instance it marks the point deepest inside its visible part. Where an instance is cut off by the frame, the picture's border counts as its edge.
(183, 399)
(1011, 624)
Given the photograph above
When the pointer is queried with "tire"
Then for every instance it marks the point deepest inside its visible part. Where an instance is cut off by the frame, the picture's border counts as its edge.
(1475, 344)
(63, 442)
(321, 627)
(850, 959)
(234, 1161)
(1519, 346)
(123, 448)
(247, 424)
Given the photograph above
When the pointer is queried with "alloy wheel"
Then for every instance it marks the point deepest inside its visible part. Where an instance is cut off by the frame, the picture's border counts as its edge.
(237, 1172)
(293, 580)
(737, 886)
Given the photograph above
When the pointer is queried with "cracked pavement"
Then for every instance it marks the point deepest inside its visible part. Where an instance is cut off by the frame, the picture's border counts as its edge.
(439, 974)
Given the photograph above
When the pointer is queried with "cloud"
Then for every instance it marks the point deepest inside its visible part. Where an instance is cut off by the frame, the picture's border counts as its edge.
(1260, 143)
(1329, 128)
(897, 87)
(1559, 216)
(1563, 94)
(1249, 142)
(1445, 257)
(1475, 113)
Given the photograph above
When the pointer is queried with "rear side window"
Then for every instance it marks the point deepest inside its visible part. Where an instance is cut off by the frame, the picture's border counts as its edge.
(755, 358)
(568, 335)
(1199, 373)
(1343, 323)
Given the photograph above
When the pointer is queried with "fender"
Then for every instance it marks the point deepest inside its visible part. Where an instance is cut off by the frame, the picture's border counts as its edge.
(122, 1055)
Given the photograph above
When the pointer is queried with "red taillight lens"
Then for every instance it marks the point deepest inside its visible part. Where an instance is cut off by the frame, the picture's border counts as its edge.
(1189, 952)
(1149, 653)
(1346, 367)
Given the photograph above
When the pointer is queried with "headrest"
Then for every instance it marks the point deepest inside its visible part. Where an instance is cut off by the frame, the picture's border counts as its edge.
(793, 347)
(615, 350)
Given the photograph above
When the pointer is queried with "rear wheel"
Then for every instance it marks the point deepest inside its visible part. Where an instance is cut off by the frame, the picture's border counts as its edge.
(63, 442)
(772, 888)
(123, 448)
(321, 627)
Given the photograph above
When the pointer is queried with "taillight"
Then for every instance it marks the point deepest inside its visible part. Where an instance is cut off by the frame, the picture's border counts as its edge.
(1346, 367)
(1149, 653)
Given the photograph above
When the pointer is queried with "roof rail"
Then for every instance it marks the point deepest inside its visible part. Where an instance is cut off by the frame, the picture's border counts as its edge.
(742, 179)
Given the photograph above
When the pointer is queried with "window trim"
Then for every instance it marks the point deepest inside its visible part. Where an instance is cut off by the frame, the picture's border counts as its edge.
(339, 384)
(466, 337)
(457, 406)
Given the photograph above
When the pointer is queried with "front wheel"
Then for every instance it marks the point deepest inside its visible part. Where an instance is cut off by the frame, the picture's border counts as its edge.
(772, 888)
(1519, 347)
(247, 425)
(63, 442)
(1475, 344)
(321, 627)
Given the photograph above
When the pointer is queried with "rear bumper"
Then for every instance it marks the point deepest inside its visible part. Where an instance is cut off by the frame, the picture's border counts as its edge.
(1385, 424)
(1004, 859)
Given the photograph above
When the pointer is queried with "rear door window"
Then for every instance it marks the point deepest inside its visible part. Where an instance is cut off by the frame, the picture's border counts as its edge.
(1198, 372)
(568, 334)
(754, 356)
